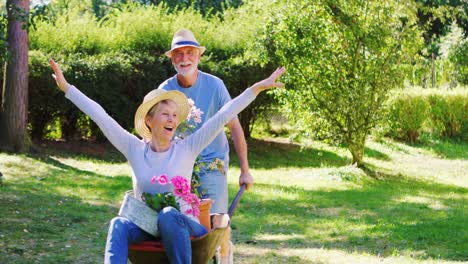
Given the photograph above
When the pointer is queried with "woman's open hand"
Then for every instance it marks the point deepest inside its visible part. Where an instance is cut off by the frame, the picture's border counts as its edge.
(270, 82)
(58, 76)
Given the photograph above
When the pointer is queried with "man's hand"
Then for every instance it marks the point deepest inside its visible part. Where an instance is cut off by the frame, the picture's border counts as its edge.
(247, 179)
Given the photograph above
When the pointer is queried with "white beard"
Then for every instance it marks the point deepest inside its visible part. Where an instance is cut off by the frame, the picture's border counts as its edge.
(185, 72)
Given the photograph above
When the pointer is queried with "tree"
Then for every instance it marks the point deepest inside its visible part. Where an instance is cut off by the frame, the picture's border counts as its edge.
(343, 58)
(437, 18)
(14, 107)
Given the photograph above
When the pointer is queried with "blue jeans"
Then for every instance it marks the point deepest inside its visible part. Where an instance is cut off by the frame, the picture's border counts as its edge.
(174, 227)
(215, 184)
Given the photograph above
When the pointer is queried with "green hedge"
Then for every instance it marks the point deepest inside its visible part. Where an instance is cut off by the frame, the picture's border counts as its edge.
(118, 59)
(407, 116)
(441, 113)
(117, 81)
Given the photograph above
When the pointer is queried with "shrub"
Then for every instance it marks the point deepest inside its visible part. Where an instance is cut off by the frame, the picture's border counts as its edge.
(449, 113)
(407, 116)
(442, 113)
(118, 59)
(458, 116)
(41, 111)
(118, 81)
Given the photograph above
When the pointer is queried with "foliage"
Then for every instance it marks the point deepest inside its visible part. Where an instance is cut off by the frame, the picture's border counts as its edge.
(440, 113)
(435, 17)
(117, 81)
(158, 201)
(41, 113)
(180, 197)
(205, 7)
(3, 38)
(342, 57)
(123, 56)
(459, 57)
(407, 116)
(455, 113)
(438, 19)
(451, 64)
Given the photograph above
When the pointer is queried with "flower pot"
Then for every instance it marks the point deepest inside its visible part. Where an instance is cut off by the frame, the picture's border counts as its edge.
(139, 213)
(146, 218)
(204, 218)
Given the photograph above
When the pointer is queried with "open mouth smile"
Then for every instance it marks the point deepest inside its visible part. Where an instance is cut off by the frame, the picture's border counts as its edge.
(185, 65)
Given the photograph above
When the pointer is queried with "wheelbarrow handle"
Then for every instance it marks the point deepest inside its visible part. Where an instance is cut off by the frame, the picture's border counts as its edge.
(236, 200)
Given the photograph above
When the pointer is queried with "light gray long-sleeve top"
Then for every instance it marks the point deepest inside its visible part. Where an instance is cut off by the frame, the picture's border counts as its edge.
(178, 160)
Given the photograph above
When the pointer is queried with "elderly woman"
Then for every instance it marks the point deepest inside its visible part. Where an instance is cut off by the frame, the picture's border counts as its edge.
(158, 153)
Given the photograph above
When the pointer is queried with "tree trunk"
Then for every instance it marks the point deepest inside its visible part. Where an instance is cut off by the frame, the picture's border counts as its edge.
(356, 147)
(246, 119)
(14, 108)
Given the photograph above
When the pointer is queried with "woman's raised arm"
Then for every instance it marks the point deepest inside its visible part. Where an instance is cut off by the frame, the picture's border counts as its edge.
(117, 135)
(58, 76)
(270, 82)
(203, 136)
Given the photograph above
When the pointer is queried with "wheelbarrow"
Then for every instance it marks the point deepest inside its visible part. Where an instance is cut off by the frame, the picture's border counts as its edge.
(203, 248)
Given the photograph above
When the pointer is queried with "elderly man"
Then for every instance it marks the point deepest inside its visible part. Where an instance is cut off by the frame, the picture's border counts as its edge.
(209, 94)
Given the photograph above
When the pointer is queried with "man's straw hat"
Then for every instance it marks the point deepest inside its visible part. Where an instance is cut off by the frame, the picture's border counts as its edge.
(184, 38)
(151, 99)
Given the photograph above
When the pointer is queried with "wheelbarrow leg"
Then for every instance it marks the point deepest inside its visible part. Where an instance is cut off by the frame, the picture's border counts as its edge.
(224, 254)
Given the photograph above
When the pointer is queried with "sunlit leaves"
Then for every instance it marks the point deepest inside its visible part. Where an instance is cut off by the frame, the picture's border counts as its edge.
(342, 59)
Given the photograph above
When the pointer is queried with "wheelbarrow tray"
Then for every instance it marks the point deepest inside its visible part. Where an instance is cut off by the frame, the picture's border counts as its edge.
(203, 249)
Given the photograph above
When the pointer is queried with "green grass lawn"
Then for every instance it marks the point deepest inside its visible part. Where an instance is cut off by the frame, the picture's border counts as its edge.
(307, 206)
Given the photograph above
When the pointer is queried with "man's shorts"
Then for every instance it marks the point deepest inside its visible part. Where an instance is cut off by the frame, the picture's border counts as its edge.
(214, 184)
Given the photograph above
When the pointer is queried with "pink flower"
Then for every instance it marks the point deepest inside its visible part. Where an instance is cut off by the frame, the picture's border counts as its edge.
(195, 201)
(196, 211)
(162, 179)
(188, 198)
(153, 179)
(181, 185)
(178, 192)
(182, 190)
(195, 114)
(191, 103)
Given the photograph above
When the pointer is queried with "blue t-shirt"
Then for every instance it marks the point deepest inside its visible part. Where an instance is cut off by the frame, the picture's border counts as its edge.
(209, 94)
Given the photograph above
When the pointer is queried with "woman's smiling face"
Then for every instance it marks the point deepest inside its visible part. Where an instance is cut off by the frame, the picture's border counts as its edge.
(162, 120)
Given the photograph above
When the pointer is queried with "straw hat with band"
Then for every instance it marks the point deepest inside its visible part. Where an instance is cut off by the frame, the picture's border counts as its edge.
(184, 38)
(150, 100)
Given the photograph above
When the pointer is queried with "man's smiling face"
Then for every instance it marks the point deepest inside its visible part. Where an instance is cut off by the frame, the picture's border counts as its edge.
(185, 60)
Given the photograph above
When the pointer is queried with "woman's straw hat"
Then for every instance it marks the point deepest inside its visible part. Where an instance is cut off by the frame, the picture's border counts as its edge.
(151, 99)
(184, 38)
